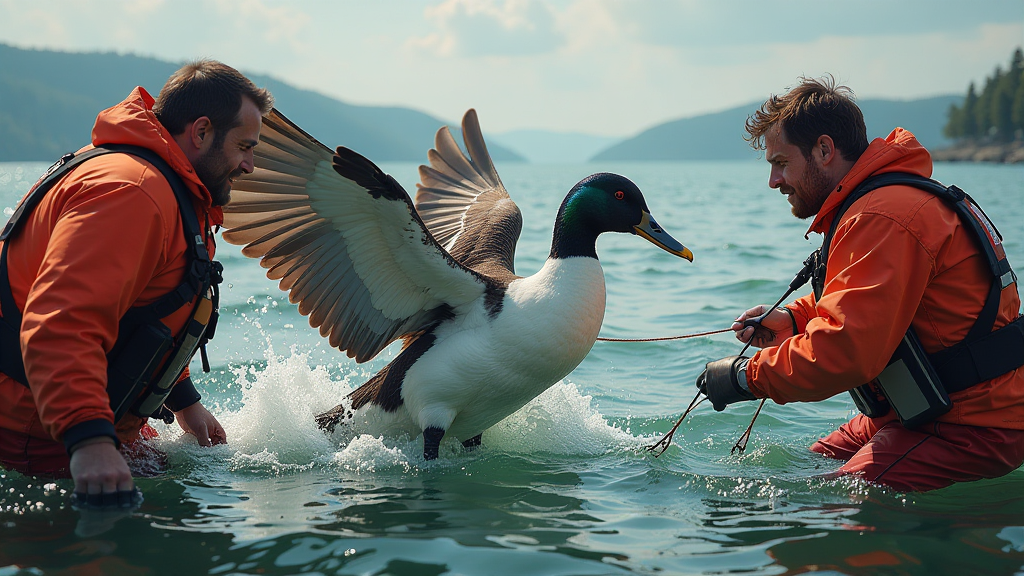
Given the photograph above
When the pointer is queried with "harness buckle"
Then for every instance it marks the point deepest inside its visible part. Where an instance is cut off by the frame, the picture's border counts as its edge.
(957, 192)
(1007, 279)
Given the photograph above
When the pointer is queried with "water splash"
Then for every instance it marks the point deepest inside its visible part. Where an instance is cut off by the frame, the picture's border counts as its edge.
(274, 430)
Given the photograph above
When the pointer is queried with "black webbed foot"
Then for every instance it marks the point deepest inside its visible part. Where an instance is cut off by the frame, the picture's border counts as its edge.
(473, 442)
(432, 442)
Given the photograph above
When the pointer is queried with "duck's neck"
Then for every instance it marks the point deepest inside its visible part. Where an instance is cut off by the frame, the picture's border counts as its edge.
(572, 237)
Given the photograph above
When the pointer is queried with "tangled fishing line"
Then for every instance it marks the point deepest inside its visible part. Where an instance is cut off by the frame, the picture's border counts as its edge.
(660, 446)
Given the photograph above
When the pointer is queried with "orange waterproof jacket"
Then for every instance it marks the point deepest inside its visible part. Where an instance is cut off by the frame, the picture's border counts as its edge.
(899, 257)
(106, 238)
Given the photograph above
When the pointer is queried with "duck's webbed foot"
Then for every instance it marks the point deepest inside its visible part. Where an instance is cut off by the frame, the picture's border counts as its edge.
(330, 419)
(431, 442)
(473, 442)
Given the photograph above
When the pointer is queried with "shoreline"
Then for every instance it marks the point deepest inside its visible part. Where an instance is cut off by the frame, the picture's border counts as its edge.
(991, 152)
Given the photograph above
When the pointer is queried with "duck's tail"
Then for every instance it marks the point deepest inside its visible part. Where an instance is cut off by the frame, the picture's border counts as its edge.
(340, 414)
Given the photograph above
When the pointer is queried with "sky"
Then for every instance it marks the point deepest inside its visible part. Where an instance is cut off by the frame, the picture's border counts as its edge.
(603, 67)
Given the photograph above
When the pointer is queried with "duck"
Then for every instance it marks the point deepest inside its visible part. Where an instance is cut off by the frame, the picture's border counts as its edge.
(369, 266)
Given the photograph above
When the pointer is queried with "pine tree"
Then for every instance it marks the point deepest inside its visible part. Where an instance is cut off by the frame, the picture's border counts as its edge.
(983, 110)
(1017, 113)
(1002, 108)
(970, 119)
(1016, 78)
(997, 111)
(1002, 98)
(954, 128)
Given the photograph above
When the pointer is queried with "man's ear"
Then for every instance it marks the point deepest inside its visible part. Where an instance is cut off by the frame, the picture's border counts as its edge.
(825, 148)
(200, 134)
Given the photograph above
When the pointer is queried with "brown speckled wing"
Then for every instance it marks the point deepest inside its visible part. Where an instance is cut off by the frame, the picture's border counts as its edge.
(345, 241)
(466, 207)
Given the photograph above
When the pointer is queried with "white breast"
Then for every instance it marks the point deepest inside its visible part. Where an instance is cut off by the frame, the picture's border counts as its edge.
(482, 369)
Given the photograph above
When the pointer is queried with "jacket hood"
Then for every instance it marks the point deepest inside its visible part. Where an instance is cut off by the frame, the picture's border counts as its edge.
(898, 152)
(133, 122)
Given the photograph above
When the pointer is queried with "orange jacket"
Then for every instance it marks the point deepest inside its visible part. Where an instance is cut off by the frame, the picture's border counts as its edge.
(900, 257)
(106, 238)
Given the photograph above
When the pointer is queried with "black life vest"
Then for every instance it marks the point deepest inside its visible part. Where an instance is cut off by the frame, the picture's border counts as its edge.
(146, 359)
(983, 354)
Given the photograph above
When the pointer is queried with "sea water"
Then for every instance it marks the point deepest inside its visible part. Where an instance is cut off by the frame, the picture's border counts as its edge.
(564, 485)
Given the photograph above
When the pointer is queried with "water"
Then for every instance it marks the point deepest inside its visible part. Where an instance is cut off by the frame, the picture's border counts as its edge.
(564, 486)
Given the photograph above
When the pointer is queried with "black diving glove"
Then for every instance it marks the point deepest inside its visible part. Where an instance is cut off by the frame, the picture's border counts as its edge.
(720, 381)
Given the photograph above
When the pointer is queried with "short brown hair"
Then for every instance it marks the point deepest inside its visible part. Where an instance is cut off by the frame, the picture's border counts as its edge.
(813, 108)
(207, 88)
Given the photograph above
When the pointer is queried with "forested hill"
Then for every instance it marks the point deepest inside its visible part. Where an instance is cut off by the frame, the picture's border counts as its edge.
(996, 112)
(49, 101)
(720, 135)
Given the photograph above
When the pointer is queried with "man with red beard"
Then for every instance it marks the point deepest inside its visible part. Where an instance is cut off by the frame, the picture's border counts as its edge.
(899, 260)
(109, 241)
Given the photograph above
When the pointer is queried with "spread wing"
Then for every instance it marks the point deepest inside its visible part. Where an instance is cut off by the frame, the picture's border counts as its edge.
(464, 204)
(345, 241)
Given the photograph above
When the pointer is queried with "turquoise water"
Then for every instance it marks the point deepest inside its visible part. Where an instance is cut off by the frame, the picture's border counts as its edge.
(564, 486)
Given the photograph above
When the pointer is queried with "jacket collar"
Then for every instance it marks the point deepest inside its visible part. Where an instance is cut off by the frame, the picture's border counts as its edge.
(134, 122)
(898, 152)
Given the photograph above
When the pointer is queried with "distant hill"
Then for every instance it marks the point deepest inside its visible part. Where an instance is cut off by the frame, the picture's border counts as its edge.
(544, 147)
(719, 136)
(49, 101)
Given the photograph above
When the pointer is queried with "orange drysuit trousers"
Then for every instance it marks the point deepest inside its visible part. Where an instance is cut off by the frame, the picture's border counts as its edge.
(927, 458)
(34, 456)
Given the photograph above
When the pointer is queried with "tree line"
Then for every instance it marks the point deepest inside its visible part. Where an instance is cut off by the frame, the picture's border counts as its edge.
(997, 113)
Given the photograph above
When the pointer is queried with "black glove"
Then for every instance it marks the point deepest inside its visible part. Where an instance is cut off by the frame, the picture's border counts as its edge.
(719, 382)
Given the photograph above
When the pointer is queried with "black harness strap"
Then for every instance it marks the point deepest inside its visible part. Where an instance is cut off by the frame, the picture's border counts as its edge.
(202, 273)
(983, 354)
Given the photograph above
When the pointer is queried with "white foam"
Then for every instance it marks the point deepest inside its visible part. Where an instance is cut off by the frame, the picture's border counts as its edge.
(368, 454)
(559, 421)
(274, 430)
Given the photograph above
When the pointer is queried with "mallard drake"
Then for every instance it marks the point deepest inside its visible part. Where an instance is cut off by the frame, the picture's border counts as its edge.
(369, 266)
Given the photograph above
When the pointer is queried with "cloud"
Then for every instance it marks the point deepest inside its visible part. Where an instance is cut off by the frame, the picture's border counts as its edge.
(473, 28)
(698, 23)
(595, 66)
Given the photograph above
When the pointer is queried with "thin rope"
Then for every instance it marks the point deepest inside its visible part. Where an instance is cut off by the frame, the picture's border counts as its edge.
(661, 445)
(741, 444)
(662, 338)
(666, 440)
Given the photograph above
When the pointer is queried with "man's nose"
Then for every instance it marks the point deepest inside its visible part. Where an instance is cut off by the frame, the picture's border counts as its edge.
(248, 163)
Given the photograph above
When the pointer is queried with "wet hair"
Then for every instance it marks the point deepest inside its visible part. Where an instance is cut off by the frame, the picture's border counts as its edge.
(815, 107)
(207, 88)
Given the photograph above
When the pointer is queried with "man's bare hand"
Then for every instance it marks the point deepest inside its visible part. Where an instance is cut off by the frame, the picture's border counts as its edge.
(775, 327)
(197, 421)
(99, 469)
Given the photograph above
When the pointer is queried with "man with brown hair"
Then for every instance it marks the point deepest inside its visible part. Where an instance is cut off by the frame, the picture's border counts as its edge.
(898, 260)
(120, 246)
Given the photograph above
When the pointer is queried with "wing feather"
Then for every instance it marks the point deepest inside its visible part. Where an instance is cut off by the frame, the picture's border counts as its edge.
(345, 241)
(466, 207)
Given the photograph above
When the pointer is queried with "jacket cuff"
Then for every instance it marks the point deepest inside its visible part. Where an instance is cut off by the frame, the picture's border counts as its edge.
(798, 316)
(89, 429)
(183, 395)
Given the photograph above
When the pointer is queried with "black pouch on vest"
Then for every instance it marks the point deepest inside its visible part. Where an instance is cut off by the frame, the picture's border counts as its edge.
(130, 371)
(911, 385)
(870, 400)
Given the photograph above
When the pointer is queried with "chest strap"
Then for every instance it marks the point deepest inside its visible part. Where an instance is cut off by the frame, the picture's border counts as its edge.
(983, 354)
(143, 342)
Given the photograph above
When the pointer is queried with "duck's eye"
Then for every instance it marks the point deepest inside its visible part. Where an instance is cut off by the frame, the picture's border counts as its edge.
(619, 194)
